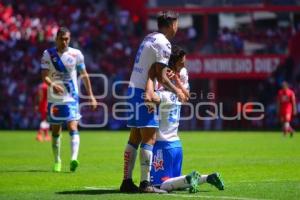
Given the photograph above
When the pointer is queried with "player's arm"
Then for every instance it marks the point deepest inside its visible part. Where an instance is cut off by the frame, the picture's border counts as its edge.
(181, 86)
(162, 75)
(40, 95)
(80, 67)
(38, 98)
(87, 84)
(150, 95)
(161, 52)
(45, 65)
(294, 105)
(278, 105)
(182, 82)
(56, 88)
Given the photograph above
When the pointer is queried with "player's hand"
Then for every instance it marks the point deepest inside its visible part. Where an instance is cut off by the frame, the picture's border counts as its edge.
(170, 73)
(148, 101)
(93, 103)
(150, 106)
(181, 96)
(177, 79)
(57, 89)
(148, 96)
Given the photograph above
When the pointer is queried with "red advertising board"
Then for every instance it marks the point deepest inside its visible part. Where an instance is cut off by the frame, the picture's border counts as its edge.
(233, 66)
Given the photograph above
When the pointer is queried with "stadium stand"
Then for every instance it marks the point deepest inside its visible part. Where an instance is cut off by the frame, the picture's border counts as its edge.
(108, 33)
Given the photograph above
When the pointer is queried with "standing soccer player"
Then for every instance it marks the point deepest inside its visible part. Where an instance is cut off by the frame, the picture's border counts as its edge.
(153, 53)
(42, 108)
(60, 65)
(286, 107)
(167, 151)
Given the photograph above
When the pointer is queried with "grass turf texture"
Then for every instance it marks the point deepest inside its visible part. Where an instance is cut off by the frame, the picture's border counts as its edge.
(259, 165)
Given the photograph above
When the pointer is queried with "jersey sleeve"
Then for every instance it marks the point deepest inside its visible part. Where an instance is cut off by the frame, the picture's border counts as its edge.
(45, 61)
(184, 78)
(162, 52)
(80, 62)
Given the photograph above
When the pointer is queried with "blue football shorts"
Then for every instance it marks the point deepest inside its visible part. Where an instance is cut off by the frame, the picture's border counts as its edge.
(138, 115)
(59, 113)
(167, 161)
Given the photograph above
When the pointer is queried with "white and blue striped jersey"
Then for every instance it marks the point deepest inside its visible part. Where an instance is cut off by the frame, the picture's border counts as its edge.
(155, 48)
(73, 61)
(169, 111)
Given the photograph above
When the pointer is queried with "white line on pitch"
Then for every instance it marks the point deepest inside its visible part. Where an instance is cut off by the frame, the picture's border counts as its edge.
(213, 197)
(180, 195)
(100, 188)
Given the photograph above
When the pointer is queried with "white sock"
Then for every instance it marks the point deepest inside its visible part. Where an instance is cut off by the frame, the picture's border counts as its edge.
(56, 148)
(286, 126)
(146, 161)
(75, 141)
(129, 160)
(203, 179)
(176, 183)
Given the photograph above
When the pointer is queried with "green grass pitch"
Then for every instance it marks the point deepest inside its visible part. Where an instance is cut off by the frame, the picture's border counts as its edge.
(254, 165)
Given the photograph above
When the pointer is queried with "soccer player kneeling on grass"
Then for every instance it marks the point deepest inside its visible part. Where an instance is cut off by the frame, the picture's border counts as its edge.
(167, 151)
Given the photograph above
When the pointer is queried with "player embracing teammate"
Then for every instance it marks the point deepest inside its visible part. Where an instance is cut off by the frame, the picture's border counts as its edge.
(150, 65)
(147, 122)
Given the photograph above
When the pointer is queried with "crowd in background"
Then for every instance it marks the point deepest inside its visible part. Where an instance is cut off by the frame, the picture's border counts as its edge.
(259, 41)
(107, 35)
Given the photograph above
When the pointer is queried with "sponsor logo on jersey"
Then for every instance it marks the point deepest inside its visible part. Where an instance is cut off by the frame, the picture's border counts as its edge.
(173, 97)
(169, 45)
(70, 62)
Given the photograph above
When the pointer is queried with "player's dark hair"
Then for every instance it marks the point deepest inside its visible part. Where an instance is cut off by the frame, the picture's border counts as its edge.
(166, 18)
(62, 30)
(177, 54)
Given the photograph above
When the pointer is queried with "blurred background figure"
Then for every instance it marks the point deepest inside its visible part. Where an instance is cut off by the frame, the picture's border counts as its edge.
(42, 110)
(286, 107)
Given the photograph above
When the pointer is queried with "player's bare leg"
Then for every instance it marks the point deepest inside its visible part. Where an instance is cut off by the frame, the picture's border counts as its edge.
(39, 136)
(45, 129)
(130, 154)
(47, 136)
(148, 140)
(75, 141)
(56, 130)
(285, 128)
(291, 130)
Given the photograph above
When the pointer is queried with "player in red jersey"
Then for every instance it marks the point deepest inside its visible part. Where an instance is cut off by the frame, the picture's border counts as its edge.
(42, 108)
(286, 107)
